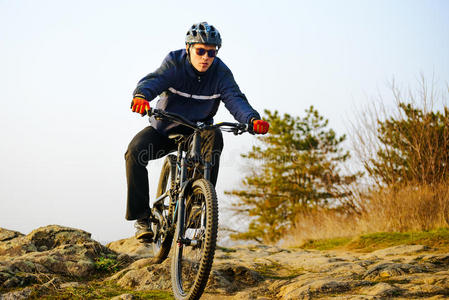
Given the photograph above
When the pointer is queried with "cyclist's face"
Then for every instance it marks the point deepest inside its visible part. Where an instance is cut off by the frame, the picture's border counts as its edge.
(203, 62)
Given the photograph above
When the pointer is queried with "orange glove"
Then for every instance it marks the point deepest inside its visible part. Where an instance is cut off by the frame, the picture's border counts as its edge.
(140, 105)
(260, 126)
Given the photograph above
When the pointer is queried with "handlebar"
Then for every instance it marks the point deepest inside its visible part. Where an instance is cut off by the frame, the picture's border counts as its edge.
(236, 128)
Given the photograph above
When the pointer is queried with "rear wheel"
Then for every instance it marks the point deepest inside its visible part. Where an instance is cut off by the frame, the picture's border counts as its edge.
(195, 248)
(162, 212)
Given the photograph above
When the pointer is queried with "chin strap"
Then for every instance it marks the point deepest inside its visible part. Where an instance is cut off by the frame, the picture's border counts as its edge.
(188, 54)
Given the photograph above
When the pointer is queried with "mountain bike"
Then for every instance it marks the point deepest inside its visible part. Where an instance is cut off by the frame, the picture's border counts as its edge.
(185, 211)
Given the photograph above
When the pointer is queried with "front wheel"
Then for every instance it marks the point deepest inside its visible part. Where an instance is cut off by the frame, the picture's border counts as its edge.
(195, 248)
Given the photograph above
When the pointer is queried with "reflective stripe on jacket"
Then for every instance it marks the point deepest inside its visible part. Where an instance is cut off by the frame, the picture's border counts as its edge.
(197, 97)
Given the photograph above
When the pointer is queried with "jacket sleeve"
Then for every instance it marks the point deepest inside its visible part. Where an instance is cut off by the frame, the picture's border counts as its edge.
(158, 81)
(235, 101)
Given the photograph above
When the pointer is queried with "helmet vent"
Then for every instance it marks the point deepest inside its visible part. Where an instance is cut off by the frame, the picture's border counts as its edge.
(203, 33)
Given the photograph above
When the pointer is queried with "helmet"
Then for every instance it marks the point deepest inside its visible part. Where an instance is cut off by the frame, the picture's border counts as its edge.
(203, 33)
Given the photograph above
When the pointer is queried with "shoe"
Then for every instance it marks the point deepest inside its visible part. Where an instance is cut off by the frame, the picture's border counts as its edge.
(143, 230)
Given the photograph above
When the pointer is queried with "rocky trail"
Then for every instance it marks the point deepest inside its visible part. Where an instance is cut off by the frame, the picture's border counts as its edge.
(59, 262)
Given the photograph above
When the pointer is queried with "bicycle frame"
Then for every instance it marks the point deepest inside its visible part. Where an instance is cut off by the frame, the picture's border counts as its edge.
(192, 156)
(184, 185)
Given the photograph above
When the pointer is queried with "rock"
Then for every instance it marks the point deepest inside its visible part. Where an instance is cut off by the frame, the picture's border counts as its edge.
(144, 275)
(132, 247)
(399, 250)
(229, 277)
(348, 269)
(424, 290)
(439, 259)
(43, 239)
(48, 256)
(307, 260)
(70, 252)
(387, 270)
(6, 235)
(306, 289)
(125, 297)
(17, 295)
(381, 290)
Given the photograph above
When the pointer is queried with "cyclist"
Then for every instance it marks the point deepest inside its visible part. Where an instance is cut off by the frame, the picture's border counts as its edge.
(190, 82)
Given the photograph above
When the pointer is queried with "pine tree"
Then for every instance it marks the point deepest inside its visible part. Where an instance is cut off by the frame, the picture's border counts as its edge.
(295, 168)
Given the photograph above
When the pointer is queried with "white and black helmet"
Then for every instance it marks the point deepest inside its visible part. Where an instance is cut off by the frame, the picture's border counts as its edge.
(203, 33)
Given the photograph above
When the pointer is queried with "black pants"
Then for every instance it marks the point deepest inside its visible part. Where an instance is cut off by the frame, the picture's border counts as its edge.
(149, 144)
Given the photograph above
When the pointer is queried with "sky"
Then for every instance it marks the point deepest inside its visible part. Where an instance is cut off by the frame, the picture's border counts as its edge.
(68, 69)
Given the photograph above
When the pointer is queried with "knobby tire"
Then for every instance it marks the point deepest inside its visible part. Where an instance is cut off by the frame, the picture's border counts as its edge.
(190, 276)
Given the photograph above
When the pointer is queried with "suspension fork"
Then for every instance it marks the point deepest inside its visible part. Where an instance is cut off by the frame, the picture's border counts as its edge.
(196, 155)
(207, 170)
(180, 204)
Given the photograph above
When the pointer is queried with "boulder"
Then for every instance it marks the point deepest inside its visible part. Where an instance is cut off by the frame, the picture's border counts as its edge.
(132, 247)
(48, 252)
(381, 289)
(391, 269)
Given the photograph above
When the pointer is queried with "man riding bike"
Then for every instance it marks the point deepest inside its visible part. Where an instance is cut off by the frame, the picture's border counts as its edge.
(190, 82)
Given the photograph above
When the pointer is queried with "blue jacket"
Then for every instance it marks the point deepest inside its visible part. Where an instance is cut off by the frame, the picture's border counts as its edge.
(196, 96)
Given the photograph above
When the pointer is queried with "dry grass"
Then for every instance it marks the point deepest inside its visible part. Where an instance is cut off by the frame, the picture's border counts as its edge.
(322, 224)
(411, 207)
(400, 209)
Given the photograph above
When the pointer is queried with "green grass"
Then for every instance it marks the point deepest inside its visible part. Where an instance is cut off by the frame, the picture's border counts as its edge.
(438, 238)
(107, 265)
(326, 244)
(99, 290)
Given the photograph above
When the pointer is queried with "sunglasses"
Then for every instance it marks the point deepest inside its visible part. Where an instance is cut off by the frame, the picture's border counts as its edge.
(202, 51)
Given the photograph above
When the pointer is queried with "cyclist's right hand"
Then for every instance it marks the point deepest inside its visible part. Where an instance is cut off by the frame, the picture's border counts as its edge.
(140, 105)
(260, 126)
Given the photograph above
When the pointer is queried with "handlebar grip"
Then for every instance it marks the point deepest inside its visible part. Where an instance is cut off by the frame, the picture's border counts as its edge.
(153, 111)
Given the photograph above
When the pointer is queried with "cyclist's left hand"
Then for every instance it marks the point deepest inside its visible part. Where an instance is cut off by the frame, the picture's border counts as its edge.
(260, 126)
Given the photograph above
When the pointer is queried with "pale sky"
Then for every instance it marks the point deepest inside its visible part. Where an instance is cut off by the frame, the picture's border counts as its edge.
(68, 69)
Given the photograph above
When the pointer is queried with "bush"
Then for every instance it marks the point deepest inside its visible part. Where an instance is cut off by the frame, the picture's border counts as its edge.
(409, 145)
